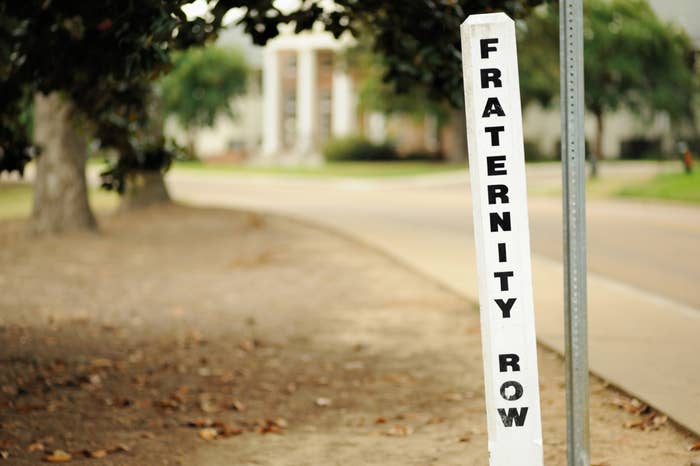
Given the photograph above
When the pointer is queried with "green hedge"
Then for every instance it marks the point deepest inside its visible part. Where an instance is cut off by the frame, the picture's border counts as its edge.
(357, 148)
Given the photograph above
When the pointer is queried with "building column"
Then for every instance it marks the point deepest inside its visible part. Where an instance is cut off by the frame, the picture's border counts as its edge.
(431, 140)
(306, 101)
(376, 127)
(343, 104)
(272, 118)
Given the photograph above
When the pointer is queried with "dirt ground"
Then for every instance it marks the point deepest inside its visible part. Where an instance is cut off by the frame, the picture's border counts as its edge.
(183, 336)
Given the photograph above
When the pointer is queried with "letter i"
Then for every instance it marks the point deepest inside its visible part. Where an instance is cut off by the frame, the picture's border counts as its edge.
(502, 252)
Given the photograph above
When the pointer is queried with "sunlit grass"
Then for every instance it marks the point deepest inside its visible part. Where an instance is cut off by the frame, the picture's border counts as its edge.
(681, 187)
(334, 169)
(16, 200)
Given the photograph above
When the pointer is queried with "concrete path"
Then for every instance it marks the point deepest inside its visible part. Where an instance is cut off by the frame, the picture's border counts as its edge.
(644, 261)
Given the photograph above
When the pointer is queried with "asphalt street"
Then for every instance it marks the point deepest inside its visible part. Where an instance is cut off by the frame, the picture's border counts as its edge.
(644, 262)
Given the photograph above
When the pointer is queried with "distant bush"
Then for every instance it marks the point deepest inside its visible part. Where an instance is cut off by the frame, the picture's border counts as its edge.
(423, 156)
(534, 152)
(357, 148)
(640, 148)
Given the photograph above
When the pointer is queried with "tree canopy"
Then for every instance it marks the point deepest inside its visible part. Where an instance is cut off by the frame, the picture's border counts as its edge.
(202, 83)
(418, 40)
(102, 54)
(632, 60)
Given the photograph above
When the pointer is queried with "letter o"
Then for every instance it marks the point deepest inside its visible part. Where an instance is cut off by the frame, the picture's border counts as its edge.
(518, 390)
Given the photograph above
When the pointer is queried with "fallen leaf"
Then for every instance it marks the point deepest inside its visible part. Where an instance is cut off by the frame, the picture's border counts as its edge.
(101, 363)
(98, 453)
(58, 456)
(658, 421)
(247, 345)
(354, 365)
(226, 430)
(694, 447)
(121, 448)
(208, 433)
(238, 406)
(281, 422)
(651, 421)
(380, 420)
(435, 420)
(453, 397)
(208, 405)
(399, 430)
(269, 426)
(633, 424)
(200, 422)
(465, 438)
(4, 454)
(36, 446)
(323, 402)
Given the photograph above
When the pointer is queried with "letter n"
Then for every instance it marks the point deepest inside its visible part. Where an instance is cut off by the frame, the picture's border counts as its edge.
(499, 221)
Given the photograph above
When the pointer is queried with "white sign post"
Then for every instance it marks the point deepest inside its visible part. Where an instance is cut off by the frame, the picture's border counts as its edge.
(501, 231)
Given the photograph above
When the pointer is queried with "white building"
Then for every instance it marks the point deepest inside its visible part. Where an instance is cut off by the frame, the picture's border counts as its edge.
(303, 94)
(308, 96)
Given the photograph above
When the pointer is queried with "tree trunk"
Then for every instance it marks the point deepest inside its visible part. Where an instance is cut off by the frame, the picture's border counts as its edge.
(597, 154)
(60, 190)
(143, 189)
(458, 150)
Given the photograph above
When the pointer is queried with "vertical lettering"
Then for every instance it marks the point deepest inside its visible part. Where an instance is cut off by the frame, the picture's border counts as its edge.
(508, 360)
(501, 221)
(513, 415)
(495, 131)
(505, 307)
(496, 192)
(496, 165)
(502, 252)
(486, 46)
(491, 75)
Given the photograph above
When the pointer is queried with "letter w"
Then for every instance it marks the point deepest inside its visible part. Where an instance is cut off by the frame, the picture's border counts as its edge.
(513, 415)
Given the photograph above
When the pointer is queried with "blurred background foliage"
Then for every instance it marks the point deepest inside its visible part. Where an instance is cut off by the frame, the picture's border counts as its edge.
(202, 83)
(125, 66)
(632, 60)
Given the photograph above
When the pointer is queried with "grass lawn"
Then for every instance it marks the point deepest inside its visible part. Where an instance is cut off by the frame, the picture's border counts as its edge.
(670, 186)
(333, 169)
(16, 200)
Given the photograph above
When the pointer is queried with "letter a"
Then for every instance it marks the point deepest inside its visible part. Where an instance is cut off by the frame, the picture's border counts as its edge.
(493, 106)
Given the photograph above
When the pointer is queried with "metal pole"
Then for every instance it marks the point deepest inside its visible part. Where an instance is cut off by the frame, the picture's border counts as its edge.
(574, 198)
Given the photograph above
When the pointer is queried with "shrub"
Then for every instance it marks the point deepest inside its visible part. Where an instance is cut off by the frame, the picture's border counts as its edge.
(534, 153)
(357, 148)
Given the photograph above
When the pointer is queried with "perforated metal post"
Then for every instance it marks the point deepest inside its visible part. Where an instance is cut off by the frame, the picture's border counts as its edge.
(574, 197)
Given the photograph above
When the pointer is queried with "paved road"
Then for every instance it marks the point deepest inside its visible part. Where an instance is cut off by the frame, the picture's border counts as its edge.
(644, 260)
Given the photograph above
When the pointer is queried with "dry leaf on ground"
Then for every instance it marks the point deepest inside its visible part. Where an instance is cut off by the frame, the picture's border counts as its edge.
(36, 446)
(58, 456)
(399, 430)
(208, 433)
(323, 402)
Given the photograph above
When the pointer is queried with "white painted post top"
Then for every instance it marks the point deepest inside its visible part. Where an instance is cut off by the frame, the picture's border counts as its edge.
(487, 18)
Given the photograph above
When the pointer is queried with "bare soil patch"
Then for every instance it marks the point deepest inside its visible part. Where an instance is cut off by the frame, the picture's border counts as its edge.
(210, 337)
